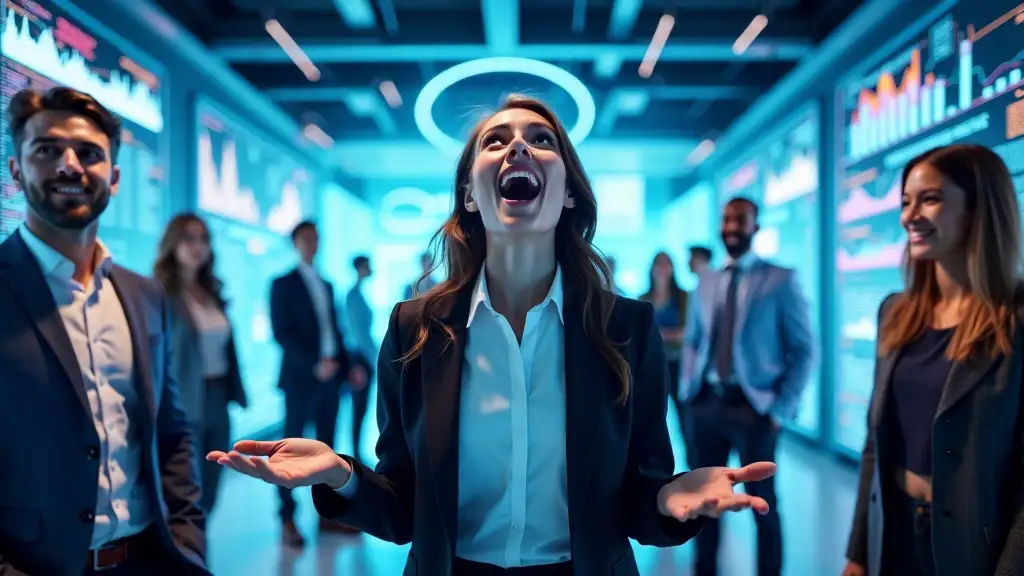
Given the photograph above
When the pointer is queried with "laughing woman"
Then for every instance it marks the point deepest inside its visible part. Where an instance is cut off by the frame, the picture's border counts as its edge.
(522, 407)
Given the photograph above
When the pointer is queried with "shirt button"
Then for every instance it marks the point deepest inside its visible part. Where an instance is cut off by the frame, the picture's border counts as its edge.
(93, 452)
(87, 516)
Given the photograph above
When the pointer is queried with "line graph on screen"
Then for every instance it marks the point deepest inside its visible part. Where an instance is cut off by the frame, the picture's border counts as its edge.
(118, 90)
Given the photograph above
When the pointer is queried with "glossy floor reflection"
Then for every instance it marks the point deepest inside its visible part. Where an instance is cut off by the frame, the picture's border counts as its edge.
(816, 499)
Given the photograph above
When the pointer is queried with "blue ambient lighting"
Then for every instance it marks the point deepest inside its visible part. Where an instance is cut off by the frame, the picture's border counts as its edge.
(587, 110)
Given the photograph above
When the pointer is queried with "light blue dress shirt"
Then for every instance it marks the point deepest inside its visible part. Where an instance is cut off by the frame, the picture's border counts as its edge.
(100, 335)
(360, 324)
(733, 266)
(513, 494)
(317, 288)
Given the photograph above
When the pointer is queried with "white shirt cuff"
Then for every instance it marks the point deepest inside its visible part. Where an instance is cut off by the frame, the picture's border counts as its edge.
(348, 490)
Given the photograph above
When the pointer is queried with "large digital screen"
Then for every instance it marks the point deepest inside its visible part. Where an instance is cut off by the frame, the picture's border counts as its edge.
(45, 43)
(782, 178)
(252, 194)
(956, 82)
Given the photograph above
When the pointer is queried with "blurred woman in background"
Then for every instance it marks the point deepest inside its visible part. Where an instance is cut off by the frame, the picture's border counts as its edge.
(943, 467)
(205, 360)
(670, 305)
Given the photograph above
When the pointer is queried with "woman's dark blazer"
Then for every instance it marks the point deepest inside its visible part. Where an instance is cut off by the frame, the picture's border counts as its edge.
(188, 363)
(977, 468)
(618, 457)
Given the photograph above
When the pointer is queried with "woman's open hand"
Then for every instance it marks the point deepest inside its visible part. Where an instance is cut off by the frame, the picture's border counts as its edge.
(291, 462)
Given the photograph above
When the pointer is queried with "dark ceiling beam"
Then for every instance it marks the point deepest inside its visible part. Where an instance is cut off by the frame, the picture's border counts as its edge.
(388, 16)
(682, 50)
(579, 16)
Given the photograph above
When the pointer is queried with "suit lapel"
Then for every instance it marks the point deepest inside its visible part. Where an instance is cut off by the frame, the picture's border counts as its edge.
(441, 380)
(751, 280)
(131, 302)
(884, 367)
(31, 290)
(963, 377)
(583, 395)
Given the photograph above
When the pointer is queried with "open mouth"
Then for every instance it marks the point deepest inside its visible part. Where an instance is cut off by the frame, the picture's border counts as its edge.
(519, 185)
(919, 236)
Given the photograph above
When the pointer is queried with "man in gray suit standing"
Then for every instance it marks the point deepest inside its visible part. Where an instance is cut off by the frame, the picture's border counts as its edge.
(747, 354)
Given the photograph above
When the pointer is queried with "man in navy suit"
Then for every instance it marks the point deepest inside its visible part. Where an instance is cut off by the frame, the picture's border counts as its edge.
(747, 354)
(99, 465)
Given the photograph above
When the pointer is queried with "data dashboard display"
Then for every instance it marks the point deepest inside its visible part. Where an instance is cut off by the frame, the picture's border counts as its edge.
(783, 180)
(251, 193)
(46, 43)
(956, 83)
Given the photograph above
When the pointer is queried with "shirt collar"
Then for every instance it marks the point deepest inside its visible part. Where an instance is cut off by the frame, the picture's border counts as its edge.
(57, 265)
(482, 296)
(745, 262)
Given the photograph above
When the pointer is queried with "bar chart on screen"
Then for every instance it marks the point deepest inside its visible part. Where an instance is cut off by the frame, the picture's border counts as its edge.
(952, 72)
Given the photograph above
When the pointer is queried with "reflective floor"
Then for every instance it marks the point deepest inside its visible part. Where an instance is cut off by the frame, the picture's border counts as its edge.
(816, 500)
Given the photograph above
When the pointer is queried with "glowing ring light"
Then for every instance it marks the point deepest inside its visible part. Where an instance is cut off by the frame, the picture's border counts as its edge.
(423, 111)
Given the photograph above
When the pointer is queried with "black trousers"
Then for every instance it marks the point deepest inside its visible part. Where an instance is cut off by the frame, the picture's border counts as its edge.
(721, 420)
(148, 557)
(469, 568)
(907, 537)
(315, 402)
(215, 434)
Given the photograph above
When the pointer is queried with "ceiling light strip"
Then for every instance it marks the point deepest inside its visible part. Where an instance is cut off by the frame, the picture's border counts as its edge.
(658, 41)
(291, 48)
(748, 36)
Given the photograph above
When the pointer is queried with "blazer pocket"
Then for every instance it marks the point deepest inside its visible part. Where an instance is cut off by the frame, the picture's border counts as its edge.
(625, 566)
(20, 524)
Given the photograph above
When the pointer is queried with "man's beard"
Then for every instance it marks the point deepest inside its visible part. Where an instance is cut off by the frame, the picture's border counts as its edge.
(740, 245)
(67, 215)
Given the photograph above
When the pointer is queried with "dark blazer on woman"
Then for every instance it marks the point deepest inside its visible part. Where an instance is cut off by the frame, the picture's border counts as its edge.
(977, 470)
(618, 457)
(188, 363)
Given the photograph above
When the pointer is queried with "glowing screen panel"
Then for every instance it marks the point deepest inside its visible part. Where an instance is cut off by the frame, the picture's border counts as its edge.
(783, 180)
(252, 194)
(45, 43)
(956, 82)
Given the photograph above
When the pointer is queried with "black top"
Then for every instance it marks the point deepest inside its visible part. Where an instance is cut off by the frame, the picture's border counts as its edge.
(917, 382)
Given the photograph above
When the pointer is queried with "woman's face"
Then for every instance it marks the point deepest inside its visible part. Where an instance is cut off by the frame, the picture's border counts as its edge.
(934, 214)
(662, 267)
(517, 181)
(193, 252)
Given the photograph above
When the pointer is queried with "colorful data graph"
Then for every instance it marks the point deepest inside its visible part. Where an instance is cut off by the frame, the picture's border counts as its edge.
(860, 203)
(890, 112)
(799, 179)
(120, 92)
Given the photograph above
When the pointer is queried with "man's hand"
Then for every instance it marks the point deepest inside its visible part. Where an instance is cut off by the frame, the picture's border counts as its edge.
(326, 369)
(357, 377)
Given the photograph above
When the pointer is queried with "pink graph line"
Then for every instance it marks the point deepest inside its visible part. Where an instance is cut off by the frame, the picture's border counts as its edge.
(861, 205)
(888, 256)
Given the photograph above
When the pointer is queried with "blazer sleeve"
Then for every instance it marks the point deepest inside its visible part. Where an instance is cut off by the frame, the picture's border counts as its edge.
(1011, 560)
(857, 549)
(178, 461)
(384, 500)
(650, 462)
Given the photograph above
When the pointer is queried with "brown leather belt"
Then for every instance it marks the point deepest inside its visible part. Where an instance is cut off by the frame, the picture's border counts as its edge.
(115, 553)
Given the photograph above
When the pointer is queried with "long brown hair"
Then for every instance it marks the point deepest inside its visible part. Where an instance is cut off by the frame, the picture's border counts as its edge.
(993, 259)
(463, 249)
(167, 269)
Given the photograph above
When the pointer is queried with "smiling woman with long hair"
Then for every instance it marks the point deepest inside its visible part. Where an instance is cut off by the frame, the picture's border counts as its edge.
(205, 359)
(522, 406)
(943, 466)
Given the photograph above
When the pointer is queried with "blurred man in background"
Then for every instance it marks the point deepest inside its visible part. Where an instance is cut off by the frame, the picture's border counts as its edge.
(747, 356)
(362, 348)
(424, 282)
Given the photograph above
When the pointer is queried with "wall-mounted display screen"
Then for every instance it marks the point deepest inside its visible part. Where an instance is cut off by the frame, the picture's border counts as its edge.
(957, 82)
(783, 180)
(252, 194)
(45, 43)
